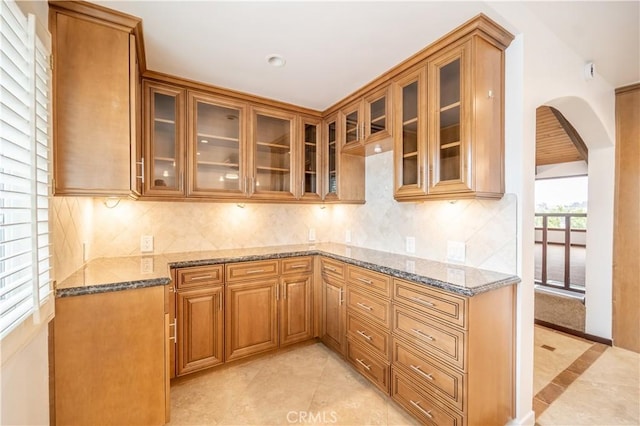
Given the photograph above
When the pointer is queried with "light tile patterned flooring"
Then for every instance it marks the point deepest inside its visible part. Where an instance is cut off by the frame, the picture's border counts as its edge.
(312, 385)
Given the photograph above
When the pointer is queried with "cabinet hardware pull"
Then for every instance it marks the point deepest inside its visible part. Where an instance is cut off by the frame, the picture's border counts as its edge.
(278, 292)
(141, 177)
(363, 306)
(418, 370)
(284, 291)
(201, 277)
(341, 299)
(363, 334)
(220, 301)
(364, 280)
(423, 334)
(255, 271)
(175, 331)
(329, 268)
(298, 266)
(361, 362)
(417, 405)
(424, 302)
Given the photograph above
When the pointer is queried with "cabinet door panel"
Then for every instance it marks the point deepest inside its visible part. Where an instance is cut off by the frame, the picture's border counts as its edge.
(251, 318)
(311, 136)
(333, 330)
(295, 309)
(216, 146)
(200, 336)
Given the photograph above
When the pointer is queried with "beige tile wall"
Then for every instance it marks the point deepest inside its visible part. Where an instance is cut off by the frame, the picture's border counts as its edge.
(487, 227)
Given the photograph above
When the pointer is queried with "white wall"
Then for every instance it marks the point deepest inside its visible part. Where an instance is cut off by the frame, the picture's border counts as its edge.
(574, 168)
(551, 71)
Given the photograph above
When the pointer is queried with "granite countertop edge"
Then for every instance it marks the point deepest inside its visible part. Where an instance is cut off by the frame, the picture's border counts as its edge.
(396, 273)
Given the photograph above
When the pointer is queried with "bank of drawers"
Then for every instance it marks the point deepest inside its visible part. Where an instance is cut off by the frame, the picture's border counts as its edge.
(429, 356)
(369, 324)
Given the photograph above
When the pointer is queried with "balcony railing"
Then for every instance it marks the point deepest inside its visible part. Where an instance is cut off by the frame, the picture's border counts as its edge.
(560, 250)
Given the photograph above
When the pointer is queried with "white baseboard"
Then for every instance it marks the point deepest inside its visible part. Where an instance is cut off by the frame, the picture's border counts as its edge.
(528, 419)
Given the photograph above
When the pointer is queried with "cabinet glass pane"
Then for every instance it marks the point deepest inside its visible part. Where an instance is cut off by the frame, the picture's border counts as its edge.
(410, 134)
(164, 142)
(352, 127)
(378, 116)
(217, 147)
(310, 158)
(449, 131)
(273, 154)
(332, 178)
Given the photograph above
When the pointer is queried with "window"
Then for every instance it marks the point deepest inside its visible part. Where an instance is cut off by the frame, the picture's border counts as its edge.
(25, 264)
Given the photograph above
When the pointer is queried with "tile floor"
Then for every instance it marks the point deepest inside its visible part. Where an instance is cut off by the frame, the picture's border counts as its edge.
(585, 384)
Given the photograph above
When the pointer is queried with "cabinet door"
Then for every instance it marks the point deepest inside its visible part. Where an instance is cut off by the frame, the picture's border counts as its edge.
(251, 318)
(353, 129)
(216, 147)
(332, 158)
(377, 119)
(164, 140)
(274, 149)
(410, 141)
(295, 309)
(333, 318)
(201, 328)
(311, 182)
(92, 110)
(449, 164)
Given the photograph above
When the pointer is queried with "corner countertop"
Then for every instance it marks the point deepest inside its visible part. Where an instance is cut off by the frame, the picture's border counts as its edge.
(121, 273)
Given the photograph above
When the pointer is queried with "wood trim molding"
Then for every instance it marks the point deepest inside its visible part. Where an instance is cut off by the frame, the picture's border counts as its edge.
(580, 334)
(629, 88)
(573, 134)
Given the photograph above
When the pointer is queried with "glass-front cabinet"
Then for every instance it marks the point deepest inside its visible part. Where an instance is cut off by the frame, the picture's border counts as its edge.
(216, 148)
(333, 150)
(378, 119)
(273, 151)
(409, 141)
(311, 137)
(163, 160)
(352, 126)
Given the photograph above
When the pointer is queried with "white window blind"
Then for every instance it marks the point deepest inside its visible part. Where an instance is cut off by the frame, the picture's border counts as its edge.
(25, 263)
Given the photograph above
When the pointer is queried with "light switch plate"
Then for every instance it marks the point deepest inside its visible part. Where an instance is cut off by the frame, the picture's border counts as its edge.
(146, 265)
(146, 243)
(456, 251)
(312, 234)
(410, 244)
(347, 236)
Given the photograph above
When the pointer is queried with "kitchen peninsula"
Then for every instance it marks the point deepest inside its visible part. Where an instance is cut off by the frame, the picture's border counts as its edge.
(393, 317)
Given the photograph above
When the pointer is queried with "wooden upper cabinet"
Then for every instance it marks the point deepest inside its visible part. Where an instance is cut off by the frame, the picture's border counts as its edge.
(310, 136)
(409, 140)
(466, 136)
(216, 147)
(274, 147)
(164, 140)
(366, 121)
(95, 86)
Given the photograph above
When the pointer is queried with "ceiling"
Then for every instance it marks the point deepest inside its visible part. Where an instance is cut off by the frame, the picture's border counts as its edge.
(556, 139)
(333, 48)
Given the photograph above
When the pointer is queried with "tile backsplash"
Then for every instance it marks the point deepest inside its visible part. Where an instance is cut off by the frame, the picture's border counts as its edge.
(487, 227)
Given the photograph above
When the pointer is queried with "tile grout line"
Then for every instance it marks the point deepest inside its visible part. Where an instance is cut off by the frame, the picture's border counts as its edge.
(552, 391)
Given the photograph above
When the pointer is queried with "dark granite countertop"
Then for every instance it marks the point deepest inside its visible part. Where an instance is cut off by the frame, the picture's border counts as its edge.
(121, 273)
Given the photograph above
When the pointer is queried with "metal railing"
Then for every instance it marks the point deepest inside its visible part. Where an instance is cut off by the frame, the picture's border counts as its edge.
(562, 231)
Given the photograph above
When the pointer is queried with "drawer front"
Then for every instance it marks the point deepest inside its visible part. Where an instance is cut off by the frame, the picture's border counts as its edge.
(372, 281)
(446, 383)
(441, 305)
(369, 366)
(420, 403)
(249, 270)
(333, 268)
(297, 265)
(368, 335)
(439, 340)
(369, 306)
(199, 276)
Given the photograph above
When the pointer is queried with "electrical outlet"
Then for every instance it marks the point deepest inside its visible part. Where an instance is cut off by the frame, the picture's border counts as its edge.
(347, 236)
(146, 243)
(146, 265)
(456, 251)
(312, 234)
(410, 243)
(410, 266)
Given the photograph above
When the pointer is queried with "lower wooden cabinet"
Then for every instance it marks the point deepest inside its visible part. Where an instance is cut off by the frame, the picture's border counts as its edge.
(251, 317)
(333, 313)
(369, 365)
(296, 322)
(200, 314)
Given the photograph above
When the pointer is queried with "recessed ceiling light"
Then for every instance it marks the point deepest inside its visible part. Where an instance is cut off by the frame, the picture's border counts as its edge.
(276, 60)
